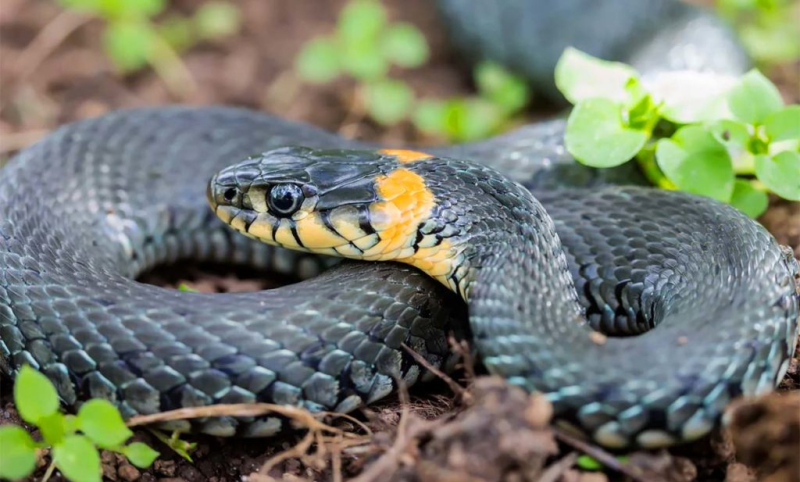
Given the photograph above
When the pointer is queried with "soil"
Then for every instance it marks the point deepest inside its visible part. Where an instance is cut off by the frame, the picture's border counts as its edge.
(53, 71)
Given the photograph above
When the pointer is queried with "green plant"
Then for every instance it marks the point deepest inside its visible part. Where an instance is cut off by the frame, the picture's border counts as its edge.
(73, 439)
(366, 45)
(726, 138)
(133, 39)
(769, 29)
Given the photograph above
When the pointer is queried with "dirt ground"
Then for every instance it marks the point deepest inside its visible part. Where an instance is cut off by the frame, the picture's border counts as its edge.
(477, 428)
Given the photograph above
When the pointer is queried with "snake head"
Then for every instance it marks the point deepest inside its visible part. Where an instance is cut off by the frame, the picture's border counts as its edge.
(339, 202)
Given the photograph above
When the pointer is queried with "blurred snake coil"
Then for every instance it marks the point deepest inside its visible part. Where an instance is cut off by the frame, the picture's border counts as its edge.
(698, 302)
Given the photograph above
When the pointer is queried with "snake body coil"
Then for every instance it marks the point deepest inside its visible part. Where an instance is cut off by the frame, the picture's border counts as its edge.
(708, 292)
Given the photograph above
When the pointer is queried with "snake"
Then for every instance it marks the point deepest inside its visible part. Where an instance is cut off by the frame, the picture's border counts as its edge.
(639, 313)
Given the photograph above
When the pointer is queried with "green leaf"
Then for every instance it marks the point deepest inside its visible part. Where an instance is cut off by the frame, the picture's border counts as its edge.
(100, 421)
(430, 116)
(784, 124)
(52, 428)
(186, 288)
(773, 40)
(130, 9)
(129, 44)
(780, 173)
(471, 119)
(580, 76)
(388, 101)
(506, 90)
(597, 137)
(361, 21)
(71, 424)
(34, 395)
(364, 61)
(318, 61)
(174, 442)
(748, 199)
(217, 19)
(731, 133)
(695, 162)
(18, 454)
(140, 455)
(587, 462)
(753, 98)
(404, 45)
(687, 97)
(78, 459)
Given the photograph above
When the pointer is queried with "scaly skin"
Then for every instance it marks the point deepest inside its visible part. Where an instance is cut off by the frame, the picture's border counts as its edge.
(714, 287)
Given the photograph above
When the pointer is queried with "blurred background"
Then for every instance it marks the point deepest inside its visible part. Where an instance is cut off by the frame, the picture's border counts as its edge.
(370, 70)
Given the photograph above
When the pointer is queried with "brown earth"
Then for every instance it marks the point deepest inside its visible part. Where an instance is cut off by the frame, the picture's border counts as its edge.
(53, 71)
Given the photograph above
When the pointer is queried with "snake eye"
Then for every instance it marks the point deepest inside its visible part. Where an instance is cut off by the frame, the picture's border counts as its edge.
(229, 194)
(285, 199)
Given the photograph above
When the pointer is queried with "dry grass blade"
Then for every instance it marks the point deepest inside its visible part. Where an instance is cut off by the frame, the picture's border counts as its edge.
(300, 416)
(455, 387)
(600, 455)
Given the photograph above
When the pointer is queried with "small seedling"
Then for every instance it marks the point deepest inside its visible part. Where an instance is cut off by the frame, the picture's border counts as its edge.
(769, 29)
(726, 138)
(73, 439)
(133, 39)
(366, 45)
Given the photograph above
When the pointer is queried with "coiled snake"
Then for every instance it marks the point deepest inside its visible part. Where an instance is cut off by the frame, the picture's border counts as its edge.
(708, 293)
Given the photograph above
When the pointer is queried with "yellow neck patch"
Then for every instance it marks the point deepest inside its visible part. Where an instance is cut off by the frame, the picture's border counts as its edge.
(406, 204)
(404, 156)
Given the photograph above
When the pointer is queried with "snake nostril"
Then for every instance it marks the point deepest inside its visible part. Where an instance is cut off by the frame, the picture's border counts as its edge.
(229, 194)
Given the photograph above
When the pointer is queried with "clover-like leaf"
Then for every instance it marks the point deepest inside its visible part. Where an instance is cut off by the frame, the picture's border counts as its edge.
(140, 454)
(388, 101)
(130, 44)
(364, 61)
(34, 395)
(318, 61)
(731, 133)
(77, 458)
(101, 421)
(430, 115)
(688, 96)
(695, 162)
(471, 119)
(503, 88)
(52, 428)
(754, 97)
(18, 454)
(597, 136)
(580, 76)
(217, 19)
(361, 21)
(784, 124)
(780, 173)
(404, 45)
(748, 199)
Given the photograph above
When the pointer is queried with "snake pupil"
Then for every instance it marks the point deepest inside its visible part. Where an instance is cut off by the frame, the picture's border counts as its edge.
(229, 194)
(285, 199)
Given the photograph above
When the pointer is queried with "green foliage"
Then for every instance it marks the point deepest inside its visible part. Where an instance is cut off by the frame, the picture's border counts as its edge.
(726, 138)
(366, 45)
(74, 454)
(769, 29)
(133, 39)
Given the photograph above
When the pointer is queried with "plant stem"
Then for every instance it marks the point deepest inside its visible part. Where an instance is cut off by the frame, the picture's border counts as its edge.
(50, 469)
(170, 68)
(647, 163)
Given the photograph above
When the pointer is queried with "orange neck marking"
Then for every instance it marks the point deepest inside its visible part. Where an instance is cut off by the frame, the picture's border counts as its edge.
(405, 156)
